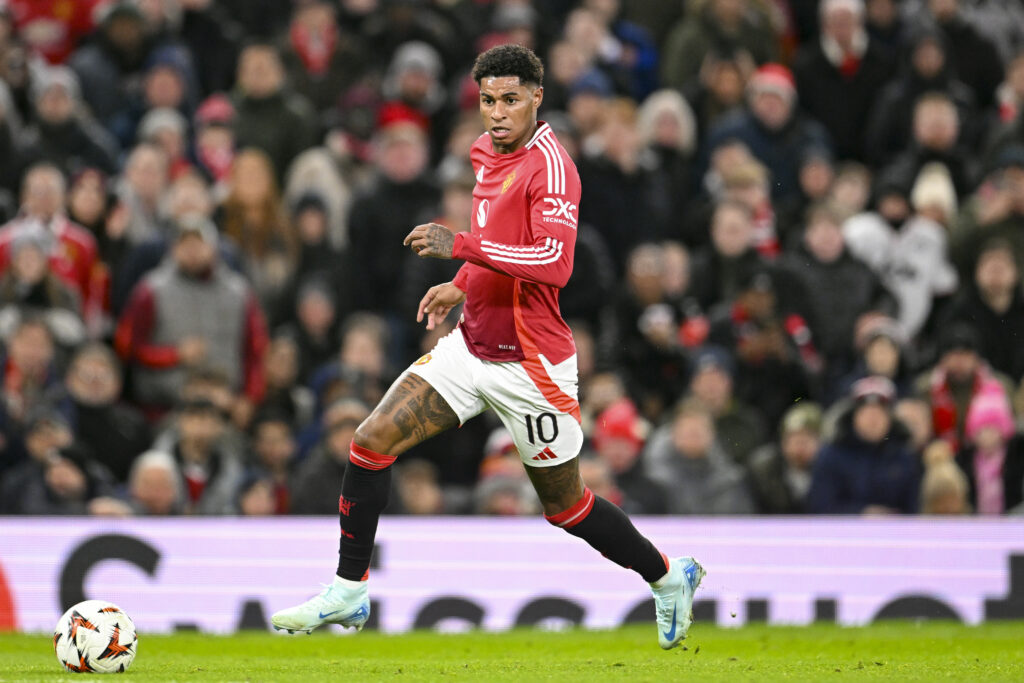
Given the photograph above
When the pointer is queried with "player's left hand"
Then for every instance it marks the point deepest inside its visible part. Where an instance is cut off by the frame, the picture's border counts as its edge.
(431, 239)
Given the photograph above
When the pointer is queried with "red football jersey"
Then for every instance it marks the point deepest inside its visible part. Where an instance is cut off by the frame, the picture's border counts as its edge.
(520, 249)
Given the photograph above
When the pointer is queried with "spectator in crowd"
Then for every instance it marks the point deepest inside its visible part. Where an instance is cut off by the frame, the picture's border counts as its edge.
(885, 23)
(621, 196)
(588, 95)
(996, 210)
(168, 130)
(840, 75)
(952, 385)
(321, 59)
(29, 288)
(780, 473)
(719, 88)
(59, 477)
(274, 447)
(936, 138)
(719, 267)
(974, 56)
(142, 192)
(73, 253)
(869, 469)
(944, 489)
(254, 218)
(618, 439)
(777, 358)
(166, 87)
(916, 416)
(28, 373)
(155, 485)
(732, 25)
(192, 312)
(323, 172)
(90, 201)
(817, 177)
(851, 188)
(318, 478)
(881, 351)
(113, 431)
(646, 346)
(401, 196)
(772, 127)
(267, 116)
(908, 252)
(286, 394)
(213, 147)
(700, 478)
(840, 288)
(668, 132)
(65, 133)
(419, 490)
(256, 496)
(992, 457)
(413, 87)
(927, 69)
(740, 428)
(111, 65)
(992, 304)
(212, 468)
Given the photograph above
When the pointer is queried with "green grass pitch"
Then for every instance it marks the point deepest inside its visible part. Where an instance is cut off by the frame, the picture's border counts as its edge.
(893, 651)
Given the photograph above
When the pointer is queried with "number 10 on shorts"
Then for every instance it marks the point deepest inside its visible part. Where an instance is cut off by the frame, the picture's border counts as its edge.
(544, 426)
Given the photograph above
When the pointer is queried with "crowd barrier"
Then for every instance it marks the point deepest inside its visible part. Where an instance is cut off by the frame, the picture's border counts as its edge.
(224, 574)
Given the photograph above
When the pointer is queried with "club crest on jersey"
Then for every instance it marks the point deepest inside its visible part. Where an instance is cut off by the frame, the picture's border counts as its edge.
(423, 360)
(508, 181)
(560, 211)
(481, 212)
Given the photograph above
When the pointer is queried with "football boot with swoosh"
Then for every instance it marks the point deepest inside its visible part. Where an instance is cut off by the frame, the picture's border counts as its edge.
(335, 604)
(673, 600)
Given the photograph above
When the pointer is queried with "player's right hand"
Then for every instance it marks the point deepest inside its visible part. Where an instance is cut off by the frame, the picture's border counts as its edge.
(438, 302)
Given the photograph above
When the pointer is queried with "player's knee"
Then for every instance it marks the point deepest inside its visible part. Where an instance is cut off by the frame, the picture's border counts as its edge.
(376, 434)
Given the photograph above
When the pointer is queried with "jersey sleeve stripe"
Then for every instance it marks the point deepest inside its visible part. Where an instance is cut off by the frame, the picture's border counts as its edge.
(540, 260)
(549, 165)
(510, 247)
(546, 141)
(549, 247)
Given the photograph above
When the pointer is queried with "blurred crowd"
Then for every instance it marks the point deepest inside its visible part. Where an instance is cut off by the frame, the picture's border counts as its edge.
(797, 283)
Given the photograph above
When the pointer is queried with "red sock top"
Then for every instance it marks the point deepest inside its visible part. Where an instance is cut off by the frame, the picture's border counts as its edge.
(576, 514)
(367, 459)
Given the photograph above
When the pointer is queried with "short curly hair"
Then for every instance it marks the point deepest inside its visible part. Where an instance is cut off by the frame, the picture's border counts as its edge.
(509, 60)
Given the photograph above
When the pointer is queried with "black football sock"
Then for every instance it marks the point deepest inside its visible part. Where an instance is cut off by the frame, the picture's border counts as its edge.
(365, 490)
(608, 530)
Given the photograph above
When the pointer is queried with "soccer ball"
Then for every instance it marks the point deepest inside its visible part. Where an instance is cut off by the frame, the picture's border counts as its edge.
(95, 636)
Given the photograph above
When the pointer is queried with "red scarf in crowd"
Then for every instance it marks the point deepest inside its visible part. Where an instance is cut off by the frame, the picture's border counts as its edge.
(315, 48)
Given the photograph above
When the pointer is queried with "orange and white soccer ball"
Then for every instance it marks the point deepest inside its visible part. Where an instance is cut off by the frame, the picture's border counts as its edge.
(95, 636)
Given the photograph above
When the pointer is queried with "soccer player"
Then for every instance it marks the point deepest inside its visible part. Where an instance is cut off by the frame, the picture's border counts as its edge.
(511, 352)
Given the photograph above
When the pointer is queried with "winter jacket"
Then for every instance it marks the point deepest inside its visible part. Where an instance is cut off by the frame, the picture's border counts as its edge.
(1000, 333)
(711, 485)
(842, 103)
(837, 294)
(851, 474)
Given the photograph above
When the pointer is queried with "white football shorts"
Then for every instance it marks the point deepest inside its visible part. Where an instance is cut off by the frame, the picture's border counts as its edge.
(535, 400)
